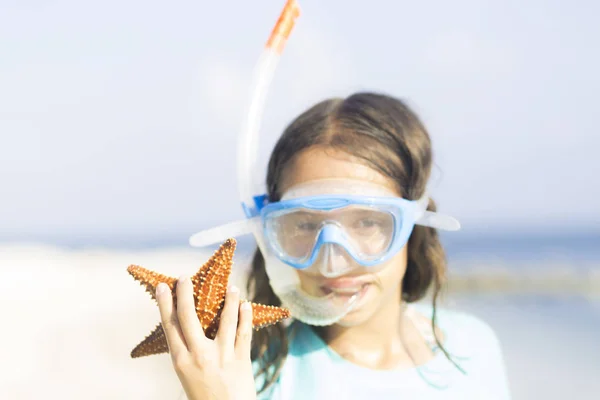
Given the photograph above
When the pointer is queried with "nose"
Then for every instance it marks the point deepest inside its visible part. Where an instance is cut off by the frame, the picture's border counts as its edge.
(333, 261)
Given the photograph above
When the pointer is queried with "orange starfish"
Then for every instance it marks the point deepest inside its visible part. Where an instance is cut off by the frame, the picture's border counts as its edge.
(210, 286)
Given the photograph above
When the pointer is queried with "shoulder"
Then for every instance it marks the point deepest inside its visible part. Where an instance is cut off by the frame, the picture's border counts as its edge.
(462, 331)
(474, 345)
(468, 339)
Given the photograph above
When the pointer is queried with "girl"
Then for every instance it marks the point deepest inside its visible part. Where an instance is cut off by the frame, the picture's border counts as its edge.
(385, 345)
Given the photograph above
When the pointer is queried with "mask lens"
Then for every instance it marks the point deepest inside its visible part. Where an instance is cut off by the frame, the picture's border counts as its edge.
(294, 232)
(367, 230)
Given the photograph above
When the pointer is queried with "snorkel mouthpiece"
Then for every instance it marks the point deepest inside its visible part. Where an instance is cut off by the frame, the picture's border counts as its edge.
(317, 311)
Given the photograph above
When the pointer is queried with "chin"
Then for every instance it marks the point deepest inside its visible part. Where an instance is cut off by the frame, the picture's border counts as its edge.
(354, 318)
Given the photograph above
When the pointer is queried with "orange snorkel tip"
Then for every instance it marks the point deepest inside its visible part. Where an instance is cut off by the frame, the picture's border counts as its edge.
(284, 26)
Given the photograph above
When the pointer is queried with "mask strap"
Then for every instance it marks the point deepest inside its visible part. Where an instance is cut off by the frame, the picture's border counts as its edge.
(434, 219)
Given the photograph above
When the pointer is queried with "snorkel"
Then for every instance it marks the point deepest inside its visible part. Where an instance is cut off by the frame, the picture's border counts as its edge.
(250, 186)
(283, 279)
(250, 182)
(327, 308)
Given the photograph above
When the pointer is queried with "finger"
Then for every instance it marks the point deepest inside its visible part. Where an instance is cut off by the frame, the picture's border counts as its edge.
(169, 321)
(228, 323)
(243, 339)
(186, 313)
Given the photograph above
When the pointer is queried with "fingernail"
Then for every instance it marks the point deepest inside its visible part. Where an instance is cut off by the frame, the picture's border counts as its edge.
(246, 306)
(161, 288)
(182, 278)
(234, 289)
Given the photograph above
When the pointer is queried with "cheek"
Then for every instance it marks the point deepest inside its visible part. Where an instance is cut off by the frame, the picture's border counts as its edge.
(310, 284)
(389, 281)
(391, 276)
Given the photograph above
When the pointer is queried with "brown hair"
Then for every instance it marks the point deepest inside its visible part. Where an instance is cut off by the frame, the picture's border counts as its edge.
(389, 137)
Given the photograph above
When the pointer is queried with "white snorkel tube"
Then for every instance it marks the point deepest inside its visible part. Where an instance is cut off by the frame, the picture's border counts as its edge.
(249, 183)
(283, 279)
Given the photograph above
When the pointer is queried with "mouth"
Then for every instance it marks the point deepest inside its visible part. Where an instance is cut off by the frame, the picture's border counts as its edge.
(345, 286)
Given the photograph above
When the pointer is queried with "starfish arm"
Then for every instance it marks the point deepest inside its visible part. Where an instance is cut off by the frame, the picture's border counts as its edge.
(263, 315)
(210, 285)
(155, 343)
(150, 279)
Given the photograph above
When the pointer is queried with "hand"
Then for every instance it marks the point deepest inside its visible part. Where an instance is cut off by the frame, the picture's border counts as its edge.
(218, 369)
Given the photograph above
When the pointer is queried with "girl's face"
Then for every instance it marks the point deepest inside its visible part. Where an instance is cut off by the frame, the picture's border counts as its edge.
(382, 283)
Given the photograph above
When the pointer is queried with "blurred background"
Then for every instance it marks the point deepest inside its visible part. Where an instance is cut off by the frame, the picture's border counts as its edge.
(118, 127)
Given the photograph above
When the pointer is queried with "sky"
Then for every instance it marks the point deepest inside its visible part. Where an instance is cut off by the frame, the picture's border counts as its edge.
(120, 118)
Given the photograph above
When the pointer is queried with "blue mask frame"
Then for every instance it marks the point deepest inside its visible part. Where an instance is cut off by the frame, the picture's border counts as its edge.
(405, 213)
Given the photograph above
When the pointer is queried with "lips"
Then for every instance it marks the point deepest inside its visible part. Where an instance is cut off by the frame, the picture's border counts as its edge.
(344, 286)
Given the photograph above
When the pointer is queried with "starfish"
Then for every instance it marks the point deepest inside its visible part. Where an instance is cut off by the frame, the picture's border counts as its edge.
(210, 286)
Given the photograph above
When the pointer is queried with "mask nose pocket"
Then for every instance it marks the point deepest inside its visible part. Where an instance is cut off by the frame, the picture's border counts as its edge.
(333, 259)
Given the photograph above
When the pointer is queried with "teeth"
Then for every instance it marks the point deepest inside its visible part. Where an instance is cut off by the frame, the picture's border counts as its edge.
(350, 290)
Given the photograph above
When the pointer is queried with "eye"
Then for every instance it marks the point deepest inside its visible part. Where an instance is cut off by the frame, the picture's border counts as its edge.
(367, 223)
(307, 226)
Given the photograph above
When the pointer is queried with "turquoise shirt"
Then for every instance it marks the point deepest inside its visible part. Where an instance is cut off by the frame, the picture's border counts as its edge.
(313, 371)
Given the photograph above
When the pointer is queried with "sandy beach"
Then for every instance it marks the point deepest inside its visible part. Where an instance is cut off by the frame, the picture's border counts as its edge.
(71, 318)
